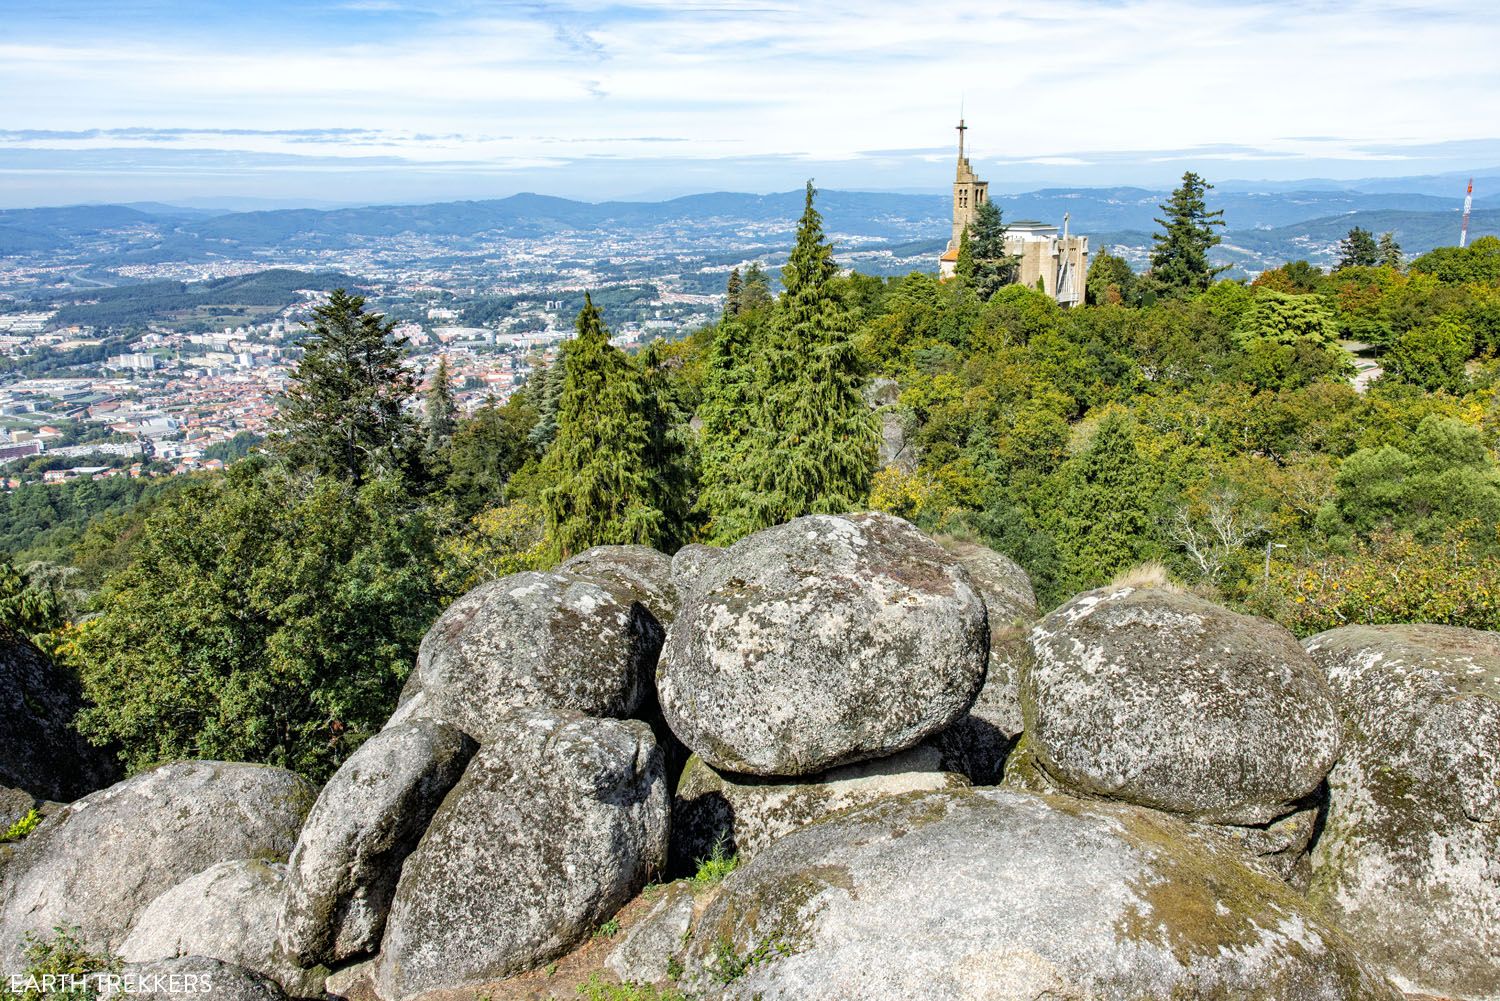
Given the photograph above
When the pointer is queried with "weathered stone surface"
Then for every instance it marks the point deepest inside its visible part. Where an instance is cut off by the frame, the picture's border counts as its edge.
(42, 756)
(1409, 858)
(644, 954)
(533, 640)
(642, 571)
(202, 978)
(981, 741)
(895, 451)
(1159, 698)
(988, 894)
(226, 912)
(96, 862)
(556, 823)
(367, 819)
(744, 813)
(826, 640)
(689, 562)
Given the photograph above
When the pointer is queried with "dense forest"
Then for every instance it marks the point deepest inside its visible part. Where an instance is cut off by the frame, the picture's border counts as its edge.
(270, 612)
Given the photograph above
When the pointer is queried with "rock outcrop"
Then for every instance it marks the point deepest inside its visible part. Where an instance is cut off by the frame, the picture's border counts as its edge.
(641, 571)
(205, 979)
(646, 952)
(689, 562)
(42, 756)
(1409, 857)
(1159, 698)
(988, 893)
(742, 814)
(367, 819)
(556, 823)
(226, 912)
(97, 862)
(534, 640)
(823, 641)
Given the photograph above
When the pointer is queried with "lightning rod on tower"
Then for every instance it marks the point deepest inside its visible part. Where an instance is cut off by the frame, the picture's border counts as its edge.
(1463, 234)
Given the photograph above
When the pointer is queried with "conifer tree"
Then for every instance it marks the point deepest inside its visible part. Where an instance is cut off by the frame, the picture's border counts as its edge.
(441, 408)
(728, 414)
(992, 267)
(1103, 522)
(545, 390)
(814, 452)
(1179, 260)
(1390, 251)
(669, 452)
(732, 294)
(963, 268)
(1358, 250)
(345, 412)
(755, 291)
(600, 488)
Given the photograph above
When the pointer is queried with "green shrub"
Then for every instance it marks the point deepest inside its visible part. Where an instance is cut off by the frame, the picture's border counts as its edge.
(713, 869)
(22, 827)
(63, 955)
(599, 989)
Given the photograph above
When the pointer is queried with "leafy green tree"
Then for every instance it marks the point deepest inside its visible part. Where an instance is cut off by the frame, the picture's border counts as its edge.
(1434, 355)
(264, 618)
(814, 451)
(1179, 258)
(601, 488)
(1479, 262)
(31, 605)
(1390, 251)
(1358, 249)
(963, 268)
(345, 412)
(441, 408)
(485, 451)
(1110, 281)
(1102, 521)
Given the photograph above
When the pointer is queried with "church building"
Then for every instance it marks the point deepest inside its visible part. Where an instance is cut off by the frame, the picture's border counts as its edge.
(1059, 260)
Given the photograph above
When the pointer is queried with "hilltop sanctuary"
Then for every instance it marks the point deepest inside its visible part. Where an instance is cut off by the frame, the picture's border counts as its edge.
(1060, 261)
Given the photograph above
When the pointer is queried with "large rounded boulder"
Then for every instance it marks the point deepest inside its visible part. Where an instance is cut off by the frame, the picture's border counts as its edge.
(555, 825)
(42, 755)
(205, 979)
(1159, 698)
(986, 894)
(1409, 857)
(741, 814)
(367, 819)
(97, 862)
(534, 640)
(226, 912)
(643, 572)
(826, 640)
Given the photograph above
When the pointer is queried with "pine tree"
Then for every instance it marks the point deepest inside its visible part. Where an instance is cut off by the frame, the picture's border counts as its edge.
(993, 268)
(600, 489)
(1103, 523)
(669, 452)
(1179, 260)
(814, 452)
(755, 292)
(441, 408)
(729, 413)
(732, 294)
(963, 268)
(1390, 251)
(1358, 250)
(545, 390)
(345, 412)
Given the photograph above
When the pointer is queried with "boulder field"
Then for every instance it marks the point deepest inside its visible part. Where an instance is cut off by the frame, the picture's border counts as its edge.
(838, 759)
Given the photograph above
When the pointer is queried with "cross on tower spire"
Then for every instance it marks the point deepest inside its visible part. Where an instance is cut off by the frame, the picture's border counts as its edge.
(962, 128)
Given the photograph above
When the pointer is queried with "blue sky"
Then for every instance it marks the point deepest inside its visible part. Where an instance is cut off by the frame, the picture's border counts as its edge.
(391, 100)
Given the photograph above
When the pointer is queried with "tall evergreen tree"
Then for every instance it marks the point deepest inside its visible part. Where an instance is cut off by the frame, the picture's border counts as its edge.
(441, 408)
(732, 294)
(728, 413)
(1179, 259)
(1358, 249)
(601, 490)
(345, 413)
(1390, 251)
(1102, 518)
(815, 450)
(545, 390)
(669, 452)
(993, 268)
(755, 292)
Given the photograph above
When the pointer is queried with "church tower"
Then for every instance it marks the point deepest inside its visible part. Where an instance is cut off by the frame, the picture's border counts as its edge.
(969, 192)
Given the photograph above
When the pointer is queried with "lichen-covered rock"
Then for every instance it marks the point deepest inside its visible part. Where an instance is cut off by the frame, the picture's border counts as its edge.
(1159, 698)
(42, 756)
(367, 819)
(645, 952)
(556, 823)
(826, 640)
(689, 562)
(741, 814)
(1409, 858)
(542, 640)
(895, 451)
(203, 978)
(981, 741)
(983, 894)
(642, 571)
(95, 863)
(226, 912)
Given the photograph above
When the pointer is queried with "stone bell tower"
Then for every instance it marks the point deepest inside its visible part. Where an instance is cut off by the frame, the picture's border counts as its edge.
(969, 192)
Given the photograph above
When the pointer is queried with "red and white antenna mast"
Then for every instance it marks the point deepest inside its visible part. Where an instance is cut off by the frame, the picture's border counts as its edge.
(1463, 234)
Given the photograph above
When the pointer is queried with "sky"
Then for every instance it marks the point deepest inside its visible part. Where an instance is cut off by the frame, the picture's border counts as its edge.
(356, 101)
